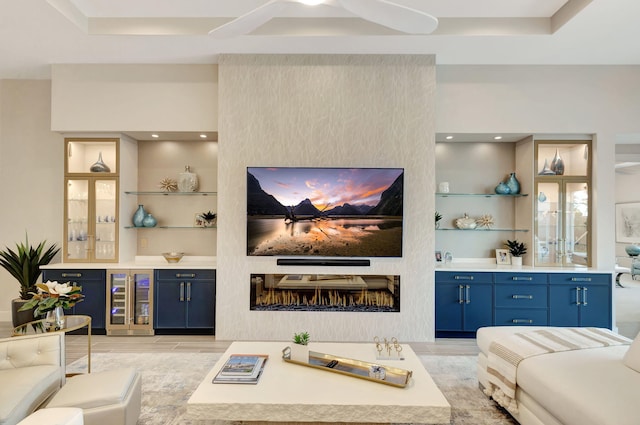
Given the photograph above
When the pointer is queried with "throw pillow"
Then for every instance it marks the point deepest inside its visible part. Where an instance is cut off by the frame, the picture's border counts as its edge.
(632, 357)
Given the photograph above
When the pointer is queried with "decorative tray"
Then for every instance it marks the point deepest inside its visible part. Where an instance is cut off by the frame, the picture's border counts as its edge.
(373, 372)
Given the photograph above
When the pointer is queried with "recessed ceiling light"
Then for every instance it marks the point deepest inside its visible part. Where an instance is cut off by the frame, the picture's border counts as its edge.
(155, 136)
(203, 136)
(449, 137)
(497, 138)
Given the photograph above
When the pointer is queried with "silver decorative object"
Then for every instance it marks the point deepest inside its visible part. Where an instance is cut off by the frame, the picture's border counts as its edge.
(99, 166)
(187, 181)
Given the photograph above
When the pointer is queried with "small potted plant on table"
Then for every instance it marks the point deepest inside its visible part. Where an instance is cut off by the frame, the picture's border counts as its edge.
(300, 347)
(517, 250)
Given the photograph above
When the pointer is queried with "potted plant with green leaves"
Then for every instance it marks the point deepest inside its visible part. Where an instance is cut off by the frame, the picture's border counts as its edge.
(23, 263)
(300, 347)
(517, 250)
(438, 217)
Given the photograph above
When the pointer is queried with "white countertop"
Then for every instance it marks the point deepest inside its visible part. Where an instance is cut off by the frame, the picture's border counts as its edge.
(489, 265)
(143, 262)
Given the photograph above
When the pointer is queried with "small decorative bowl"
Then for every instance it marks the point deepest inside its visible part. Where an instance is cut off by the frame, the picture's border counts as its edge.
(173, 257)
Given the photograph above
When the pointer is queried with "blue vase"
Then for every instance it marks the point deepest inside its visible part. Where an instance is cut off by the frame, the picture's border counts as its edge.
(149, 221)
(139, 216)
(502, 189)
(513, 184)
(542, 197)
(632, 250)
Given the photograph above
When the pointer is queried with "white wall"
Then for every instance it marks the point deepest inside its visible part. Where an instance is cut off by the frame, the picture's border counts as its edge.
(132, 97)
(31, 171)
(309, 110)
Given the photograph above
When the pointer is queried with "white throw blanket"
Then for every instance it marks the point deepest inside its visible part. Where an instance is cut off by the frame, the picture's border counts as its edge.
(506, 354)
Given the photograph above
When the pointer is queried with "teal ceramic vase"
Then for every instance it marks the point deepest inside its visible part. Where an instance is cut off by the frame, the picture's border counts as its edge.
(632, 250)
(149, 221)
(139, 216)
(513, 184)
(502, 189)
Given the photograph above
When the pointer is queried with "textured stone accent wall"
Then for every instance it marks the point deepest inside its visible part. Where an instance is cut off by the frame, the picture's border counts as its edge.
(326, 111)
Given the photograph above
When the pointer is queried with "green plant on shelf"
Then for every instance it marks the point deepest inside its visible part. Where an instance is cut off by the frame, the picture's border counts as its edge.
(516, 249)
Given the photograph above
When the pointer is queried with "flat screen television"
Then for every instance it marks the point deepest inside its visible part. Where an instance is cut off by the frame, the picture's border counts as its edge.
(324, 212)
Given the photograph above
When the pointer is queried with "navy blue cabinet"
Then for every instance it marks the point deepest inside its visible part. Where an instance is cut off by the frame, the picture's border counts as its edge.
(521, 299)
(580, 300)
(464, 302)
(185, 299)
(93, 284)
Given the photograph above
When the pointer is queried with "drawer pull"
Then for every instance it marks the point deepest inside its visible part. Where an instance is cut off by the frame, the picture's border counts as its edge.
(578, 289)
(517, 321)
(71, 274)
(460, 295)
(181, 291)
(463, 277)
(179, 275)
(468, 293)
(584, 296)
(522, 297)
(581, 279)
(529, 278)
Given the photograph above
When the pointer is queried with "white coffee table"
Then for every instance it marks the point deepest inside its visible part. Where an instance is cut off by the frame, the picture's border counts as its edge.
(289, 392)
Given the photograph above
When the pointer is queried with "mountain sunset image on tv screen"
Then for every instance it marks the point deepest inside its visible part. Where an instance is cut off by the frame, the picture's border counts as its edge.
(324, 212)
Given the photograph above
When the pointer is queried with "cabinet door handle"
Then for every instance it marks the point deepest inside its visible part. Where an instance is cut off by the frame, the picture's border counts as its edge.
(460, 295)
(463, 277)
(522, 297)
(581, 279)
(529, 278)
(188, 291)
(468, 293)
(578, 295)
(516, 321)
(191, 275)
(71, 274)
(181, 291)
(584, 296)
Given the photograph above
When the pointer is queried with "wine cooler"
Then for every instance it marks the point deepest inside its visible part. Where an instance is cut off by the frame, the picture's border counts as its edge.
(129, 302)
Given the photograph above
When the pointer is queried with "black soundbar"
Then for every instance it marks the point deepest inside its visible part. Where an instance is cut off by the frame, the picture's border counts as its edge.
(323, 262)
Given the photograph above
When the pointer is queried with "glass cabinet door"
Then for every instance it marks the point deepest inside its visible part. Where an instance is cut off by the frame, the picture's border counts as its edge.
(562, 224)
(576, 223)
(562, 206)
(106, 228)
(91, 216)
(77, 220)
(129, 302)
(548, 225)
(117, 298)
(142, 298)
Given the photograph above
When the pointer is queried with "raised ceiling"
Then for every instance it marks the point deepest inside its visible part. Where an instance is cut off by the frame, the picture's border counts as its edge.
(36, 33)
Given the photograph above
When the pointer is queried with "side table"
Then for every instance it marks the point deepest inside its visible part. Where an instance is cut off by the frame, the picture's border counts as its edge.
(72, 323)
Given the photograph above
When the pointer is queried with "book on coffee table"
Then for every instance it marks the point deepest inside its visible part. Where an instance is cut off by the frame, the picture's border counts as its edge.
(241, 369)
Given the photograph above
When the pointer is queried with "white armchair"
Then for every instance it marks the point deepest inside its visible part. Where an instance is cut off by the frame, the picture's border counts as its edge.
(32, 370)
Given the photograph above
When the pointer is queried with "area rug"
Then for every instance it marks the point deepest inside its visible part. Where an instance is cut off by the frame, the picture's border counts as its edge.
(168, 379)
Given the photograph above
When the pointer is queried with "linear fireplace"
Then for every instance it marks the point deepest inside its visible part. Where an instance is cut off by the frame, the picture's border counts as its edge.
(325, 292)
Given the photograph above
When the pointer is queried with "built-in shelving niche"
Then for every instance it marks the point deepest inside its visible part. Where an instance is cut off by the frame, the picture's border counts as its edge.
(325, 292)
